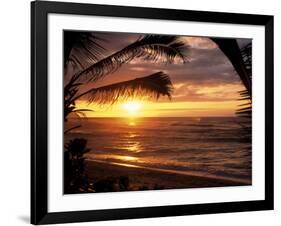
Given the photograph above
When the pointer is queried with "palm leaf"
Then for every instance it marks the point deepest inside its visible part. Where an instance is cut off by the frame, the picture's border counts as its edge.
(247, 58)
(232, 51)
(158, 48)
(244, 112)
(72, 128)
(152, 86)
(80, 48)
(241, 59)
(245, 109)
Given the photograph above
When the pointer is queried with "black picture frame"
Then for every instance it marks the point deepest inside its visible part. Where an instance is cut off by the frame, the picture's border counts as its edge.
(39, 112)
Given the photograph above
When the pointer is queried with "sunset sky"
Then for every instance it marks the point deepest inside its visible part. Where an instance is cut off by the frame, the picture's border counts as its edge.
(205, 86)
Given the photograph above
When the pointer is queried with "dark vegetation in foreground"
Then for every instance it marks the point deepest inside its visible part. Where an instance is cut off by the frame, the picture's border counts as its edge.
(77, 181)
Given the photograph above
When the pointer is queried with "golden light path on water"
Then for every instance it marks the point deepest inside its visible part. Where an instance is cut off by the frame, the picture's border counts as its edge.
(132, 119)
(119, 157)
(132, 146)
(132, 123)
(127, 148)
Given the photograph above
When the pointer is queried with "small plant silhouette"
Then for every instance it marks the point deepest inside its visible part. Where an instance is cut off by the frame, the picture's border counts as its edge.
(75, 179)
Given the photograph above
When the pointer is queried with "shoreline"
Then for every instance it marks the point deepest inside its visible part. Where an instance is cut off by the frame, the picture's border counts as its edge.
(145, 178)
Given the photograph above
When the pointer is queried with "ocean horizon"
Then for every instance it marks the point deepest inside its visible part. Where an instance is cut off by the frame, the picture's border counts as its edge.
(206, 146)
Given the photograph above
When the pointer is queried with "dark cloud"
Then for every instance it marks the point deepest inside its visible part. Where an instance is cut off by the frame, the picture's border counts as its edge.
(205, 66)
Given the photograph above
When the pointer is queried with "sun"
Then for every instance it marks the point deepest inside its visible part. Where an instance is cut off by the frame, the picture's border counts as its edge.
(132, 107)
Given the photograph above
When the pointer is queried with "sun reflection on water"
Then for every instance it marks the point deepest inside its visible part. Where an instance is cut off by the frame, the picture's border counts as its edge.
(112, 157)
(127, 158)
(134, 147)
(132, 135)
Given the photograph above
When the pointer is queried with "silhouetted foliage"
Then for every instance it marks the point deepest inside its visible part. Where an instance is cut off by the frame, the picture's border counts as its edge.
(84, 50)
(75, 180)
(241, 59)
(153, 85)
(245, 110)
(232, 51)
(112, 184)
(82, 47)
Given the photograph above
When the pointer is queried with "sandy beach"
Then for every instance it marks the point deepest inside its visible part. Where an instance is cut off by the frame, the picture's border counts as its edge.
(141, 178)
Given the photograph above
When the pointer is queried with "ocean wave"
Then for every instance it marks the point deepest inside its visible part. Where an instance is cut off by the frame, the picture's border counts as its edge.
(214, 146)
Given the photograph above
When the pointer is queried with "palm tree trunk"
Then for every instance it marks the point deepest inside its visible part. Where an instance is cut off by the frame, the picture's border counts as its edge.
(232, 51)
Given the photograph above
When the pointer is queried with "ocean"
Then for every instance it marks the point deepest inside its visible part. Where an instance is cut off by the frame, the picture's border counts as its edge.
(214, 147)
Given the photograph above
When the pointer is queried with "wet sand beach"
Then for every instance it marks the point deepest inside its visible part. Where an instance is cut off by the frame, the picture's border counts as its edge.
(141, 178)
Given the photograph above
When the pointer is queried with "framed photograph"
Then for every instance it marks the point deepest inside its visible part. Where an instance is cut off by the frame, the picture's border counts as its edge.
(145, 112)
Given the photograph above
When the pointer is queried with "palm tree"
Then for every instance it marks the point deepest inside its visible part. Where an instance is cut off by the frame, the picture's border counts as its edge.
(241, 59)
(245, 110)
(84, 51)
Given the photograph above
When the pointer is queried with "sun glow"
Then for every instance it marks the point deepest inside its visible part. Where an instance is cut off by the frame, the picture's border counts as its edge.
(131, 123)
(132, 107)
(132, 110)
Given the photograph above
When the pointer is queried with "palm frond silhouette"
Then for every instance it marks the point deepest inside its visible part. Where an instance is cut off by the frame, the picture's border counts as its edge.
(84, 47)
(241, 60)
